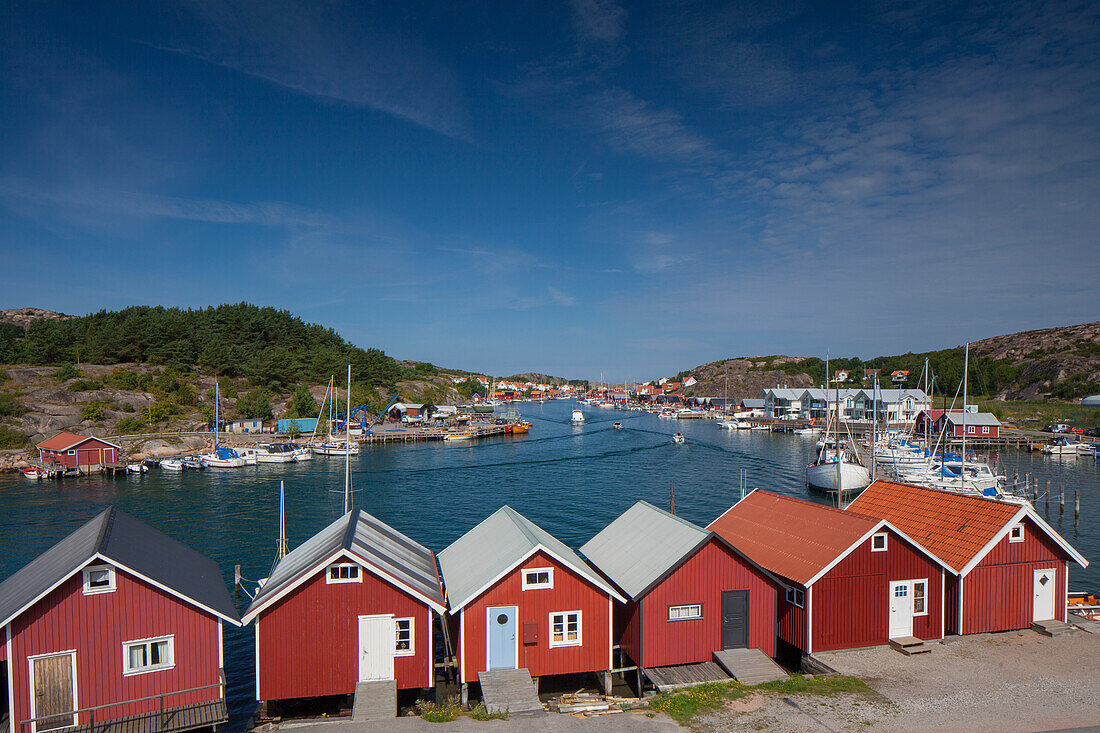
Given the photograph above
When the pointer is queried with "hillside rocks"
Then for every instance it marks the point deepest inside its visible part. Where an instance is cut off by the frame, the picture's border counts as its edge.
(747, 378)
(24, 317)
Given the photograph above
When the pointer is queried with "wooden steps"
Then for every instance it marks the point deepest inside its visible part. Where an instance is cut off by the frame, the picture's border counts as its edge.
(750, 666)
(1052, 628)
(910, 645)
(680, 676)
(375, 700)
(509, 689)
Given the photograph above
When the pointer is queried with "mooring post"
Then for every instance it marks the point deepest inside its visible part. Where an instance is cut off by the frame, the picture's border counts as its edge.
(1062, 499)
(1076, 505)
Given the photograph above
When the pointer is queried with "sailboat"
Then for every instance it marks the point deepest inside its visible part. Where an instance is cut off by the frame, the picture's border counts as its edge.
(220, 457)
(839, 472)
(333, 446)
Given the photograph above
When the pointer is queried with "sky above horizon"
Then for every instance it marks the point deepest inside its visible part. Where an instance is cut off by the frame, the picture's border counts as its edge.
(575, 188)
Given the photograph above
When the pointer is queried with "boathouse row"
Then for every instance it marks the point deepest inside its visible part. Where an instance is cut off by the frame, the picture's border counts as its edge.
(116, 622)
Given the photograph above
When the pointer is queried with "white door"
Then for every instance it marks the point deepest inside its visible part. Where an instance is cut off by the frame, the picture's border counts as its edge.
(901, 609)
(376, 646)
(1042, 606)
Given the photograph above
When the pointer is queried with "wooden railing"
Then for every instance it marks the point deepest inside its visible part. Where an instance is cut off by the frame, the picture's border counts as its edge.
(90, 725)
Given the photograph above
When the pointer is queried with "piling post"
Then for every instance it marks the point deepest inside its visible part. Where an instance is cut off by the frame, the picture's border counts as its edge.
(1076, 505)
(1062, 500)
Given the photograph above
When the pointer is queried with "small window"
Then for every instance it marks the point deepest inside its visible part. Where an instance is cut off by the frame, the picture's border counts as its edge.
(796, 597)
(901, 591)
(1016, 534)
(878, 542)
(919, 607)
(985, 430)
(403, 642)
(71, 453)
(565, 629)
(99, 579)
(147, 655)
(344, 572)
(537, 578)
(686, 612)
(970, 428)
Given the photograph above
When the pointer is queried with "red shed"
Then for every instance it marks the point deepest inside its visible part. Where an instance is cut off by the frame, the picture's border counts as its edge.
(849, 580)
(78, 451)
(1009, 567)
(977, 424)
(116, 622)
(523, 600)
(354, 603)
(691, 594)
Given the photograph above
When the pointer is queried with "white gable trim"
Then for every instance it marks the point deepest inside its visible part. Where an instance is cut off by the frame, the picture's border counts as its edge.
(1026, 510)
(861, 540)
(170, 591)
(255, 610)
(583, 575)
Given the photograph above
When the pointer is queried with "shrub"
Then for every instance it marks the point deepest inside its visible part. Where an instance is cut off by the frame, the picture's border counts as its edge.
(67, 372)
(84, 385)
(11, 438)
(482, 713)
(91, 411)
(683, 706)
(131, 426)
(438, 712)
(127, 407)
(10, 406)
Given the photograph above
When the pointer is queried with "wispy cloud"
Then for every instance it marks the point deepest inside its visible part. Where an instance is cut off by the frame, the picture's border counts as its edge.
(632, 125)
(560, 297)
(598, 21)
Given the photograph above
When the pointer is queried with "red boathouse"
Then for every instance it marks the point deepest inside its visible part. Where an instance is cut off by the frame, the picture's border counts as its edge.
(116, 622)
(354, 603)
(84, 452)
(520, 599)
(690, 593)
(1009, 567)
(848, 580)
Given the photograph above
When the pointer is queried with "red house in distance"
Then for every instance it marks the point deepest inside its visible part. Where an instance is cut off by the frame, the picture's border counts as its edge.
(691, 594)
(977, 424)
(520, 599)
(849, 580)
(83, 452)
(115, 623)
(1009, 568)
(353, 604)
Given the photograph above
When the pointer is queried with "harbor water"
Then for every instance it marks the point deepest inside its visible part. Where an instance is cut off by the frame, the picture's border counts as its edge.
(571, 480)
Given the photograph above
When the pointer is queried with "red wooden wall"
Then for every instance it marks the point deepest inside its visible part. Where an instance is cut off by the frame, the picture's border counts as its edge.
(309, 640)
(701, 579)
(997, 593)
(850, 605)
(570, 593)
(97, 625)
(790, 622)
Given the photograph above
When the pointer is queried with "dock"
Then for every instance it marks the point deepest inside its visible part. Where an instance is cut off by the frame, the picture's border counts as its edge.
(679, 676)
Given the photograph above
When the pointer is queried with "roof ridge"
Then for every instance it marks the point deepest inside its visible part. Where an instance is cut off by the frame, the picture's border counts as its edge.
(670, 515)
(349, 531)
(521, 523)
(105, 528)
(814, 504)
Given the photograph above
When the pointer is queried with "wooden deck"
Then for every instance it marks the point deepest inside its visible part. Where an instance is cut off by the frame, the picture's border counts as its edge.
(685, 675)
(172, 720)
(750, 666)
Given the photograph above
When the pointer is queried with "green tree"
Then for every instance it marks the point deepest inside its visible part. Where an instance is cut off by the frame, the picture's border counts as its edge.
(301, 404)
(255, 405)
(91, 411)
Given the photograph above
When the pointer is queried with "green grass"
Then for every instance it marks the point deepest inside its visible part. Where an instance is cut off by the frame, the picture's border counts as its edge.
(480, 712)
(796, 684)
(438, 712)
(1041, 412)
(683, 706)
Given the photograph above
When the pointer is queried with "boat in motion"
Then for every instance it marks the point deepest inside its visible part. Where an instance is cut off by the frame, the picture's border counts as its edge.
(678, 439)
(577, 418)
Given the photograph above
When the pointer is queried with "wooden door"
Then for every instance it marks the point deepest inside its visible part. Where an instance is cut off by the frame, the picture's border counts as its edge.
(53, 691)
(376, 646)
(1042, 604)
(502, 636)
(901, 609)
(735, 619)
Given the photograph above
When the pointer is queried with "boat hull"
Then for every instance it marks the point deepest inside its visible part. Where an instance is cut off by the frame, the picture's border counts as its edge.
(823, 477)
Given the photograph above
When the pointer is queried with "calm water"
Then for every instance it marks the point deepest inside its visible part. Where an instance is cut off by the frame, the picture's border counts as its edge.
(570, 480)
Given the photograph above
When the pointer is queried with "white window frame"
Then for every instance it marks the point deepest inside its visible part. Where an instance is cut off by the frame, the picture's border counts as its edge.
(565, 629)
(411, 651)
(170, 664)
(333, 581)
(885, 541)
(1012, 533)
(70, 453)
(793, 597)
(536, 585)
(913, 591)
(688, 611)
(109, 588)
(985, 430)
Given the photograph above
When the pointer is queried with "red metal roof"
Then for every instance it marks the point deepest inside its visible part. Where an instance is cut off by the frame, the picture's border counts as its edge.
(65, 441)
(790, 537)
(954, 527)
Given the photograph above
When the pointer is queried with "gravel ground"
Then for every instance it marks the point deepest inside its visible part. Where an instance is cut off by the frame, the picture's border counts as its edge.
(1017, 681)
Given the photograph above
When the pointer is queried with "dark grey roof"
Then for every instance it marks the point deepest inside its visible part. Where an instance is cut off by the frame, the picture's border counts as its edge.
(131, 545)
(752, 402)
(642, 545)
(372, 542)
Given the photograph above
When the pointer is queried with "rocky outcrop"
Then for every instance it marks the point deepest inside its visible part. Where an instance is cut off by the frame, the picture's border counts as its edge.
(24, 317)
(747, 377)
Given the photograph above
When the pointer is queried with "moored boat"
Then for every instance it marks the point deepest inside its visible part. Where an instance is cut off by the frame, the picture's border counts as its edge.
(33, 473)
(172, 464)
(459, 436)
(521, 428)
(274, 453)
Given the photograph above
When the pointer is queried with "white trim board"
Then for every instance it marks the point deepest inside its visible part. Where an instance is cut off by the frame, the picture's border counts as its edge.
(1025, 511)
(874, 530)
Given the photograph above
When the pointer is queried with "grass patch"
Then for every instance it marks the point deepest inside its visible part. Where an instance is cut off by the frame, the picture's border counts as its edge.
(683, 706)
(480, 712)
(438, 712)
(797, 684)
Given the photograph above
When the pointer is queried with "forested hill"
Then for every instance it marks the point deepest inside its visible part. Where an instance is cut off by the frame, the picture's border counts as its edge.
(264, 345)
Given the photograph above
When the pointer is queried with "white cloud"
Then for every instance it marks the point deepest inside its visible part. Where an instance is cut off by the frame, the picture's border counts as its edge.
(598, 21)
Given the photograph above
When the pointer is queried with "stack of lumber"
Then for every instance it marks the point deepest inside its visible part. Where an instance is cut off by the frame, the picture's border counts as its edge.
(585, 704)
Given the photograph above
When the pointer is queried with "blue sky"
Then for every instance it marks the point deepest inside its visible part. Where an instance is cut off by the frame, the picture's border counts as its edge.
(575, 187)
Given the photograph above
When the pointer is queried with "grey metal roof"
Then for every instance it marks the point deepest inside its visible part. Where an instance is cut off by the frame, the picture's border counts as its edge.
(972, 418)
(372, 542)
(487, 552)
(752, 402)
(642, 545)
(130, 544)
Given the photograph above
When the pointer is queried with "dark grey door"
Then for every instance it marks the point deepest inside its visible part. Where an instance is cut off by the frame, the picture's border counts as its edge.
(735, 619)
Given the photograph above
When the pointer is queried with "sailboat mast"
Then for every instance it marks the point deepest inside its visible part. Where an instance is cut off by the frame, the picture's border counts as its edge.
(216, 416)
(347, 448)
(966, 369)
(282, 523)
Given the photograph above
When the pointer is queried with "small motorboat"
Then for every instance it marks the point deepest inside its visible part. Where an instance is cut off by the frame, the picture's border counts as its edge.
(459, 436)
(617, 425)
(678, 438)
(521, 428)
(33, 473)
(191, 463)
(136, 468)
(665, 415)
(336, 448)
(172, 464)
(577, 418)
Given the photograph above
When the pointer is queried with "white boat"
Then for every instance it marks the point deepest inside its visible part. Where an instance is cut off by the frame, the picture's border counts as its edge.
(335, 448)
(760, 427)
(678, 438)
(823, 475)
(303, 453)
(806, 430)
(222, 458)
(729, 424)
(743, 425)
(578, 417)
(1061, 447)
(33, 473)
(665, 415)
(136, 468)
(249, 456)
(274, 453)
(459, 436)
(171, 464)
(1086, 449)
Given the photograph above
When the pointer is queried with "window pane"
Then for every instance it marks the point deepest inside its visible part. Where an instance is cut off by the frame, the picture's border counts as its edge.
(137, 656)
(918, 598)
(334, 573)
(99, 578)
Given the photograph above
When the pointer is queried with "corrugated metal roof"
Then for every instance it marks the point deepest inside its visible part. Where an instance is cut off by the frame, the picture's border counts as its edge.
(972, 418)
(790, 537)
(487, 552)
(131, 544)
(368, 539)
(642, 545)
(65, 441)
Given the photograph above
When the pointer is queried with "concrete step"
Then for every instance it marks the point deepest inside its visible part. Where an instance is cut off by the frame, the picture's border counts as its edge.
(910, 645)
(750, 666)
(1052, 628)
(375, 700)
(509, 689)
